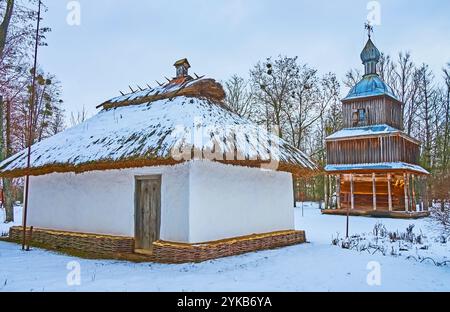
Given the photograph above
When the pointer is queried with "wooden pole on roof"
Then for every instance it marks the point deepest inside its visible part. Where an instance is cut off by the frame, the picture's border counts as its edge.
(30, 130)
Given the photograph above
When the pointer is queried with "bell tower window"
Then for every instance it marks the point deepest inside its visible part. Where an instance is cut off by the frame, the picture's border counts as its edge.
(360, 117)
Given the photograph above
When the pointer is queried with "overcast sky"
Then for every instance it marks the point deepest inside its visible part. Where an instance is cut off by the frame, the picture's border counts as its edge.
(137, 41)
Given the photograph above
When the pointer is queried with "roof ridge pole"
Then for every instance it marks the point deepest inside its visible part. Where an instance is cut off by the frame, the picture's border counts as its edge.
(30, 130)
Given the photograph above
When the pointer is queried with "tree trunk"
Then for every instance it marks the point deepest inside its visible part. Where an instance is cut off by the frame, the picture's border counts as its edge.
(9, 201)
(5, 25)
(7, 183)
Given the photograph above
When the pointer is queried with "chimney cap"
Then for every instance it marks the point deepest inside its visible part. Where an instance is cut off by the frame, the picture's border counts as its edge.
(182, 62)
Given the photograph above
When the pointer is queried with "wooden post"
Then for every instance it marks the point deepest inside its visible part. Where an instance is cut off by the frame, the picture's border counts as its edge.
(405, 179)
(30, 129)
(427, 195)
(330, 191)
(338, 191)
(421, 194)
(413, 188)
(374, 191)
(325, 185)
(30, 238)
(390, 191)
(295, 187)
(347, 232)
(352, 195)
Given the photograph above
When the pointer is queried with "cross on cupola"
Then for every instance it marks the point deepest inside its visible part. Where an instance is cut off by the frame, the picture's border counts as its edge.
(369, 29)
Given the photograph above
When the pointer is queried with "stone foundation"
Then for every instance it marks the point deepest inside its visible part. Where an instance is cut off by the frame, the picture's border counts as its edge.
(163, 252)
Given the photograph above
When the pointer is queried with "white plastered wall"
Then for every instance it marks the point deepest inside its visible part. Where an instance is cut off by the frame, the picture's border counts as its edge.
(229, 201)
(200, 201)
(103, 201)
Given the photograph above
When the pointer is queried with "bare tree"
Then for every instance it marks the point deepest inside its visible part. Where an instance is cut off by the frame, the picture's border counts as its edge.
(446, 141)
(352, 77)
(274, 82)
(239, 97)
(4, 26)
(17, 37)
(388, 70)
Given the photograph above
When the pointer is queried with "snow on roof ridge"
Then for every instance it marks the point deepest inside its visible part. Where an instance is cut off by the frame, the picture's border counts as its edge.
(187, 86)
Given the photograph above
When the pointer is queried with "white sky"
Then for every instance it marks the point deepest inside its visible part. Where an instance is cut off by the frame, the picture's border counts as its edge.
(136, 41)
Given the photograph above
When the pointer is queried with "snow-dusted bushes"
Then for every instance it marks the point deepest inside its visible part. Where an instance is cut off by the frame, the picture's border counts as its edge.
(409, 243)
(441, 214)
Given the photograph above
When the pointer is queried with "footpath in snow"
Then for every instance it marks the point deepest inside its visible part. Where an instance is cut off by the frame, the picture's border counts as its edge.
(316, 266)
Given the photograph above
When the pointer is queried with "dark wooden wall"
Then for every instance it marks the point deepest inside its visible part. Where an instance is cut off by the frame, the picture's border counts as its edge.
(363, 193)
(373, 150)
(379, 110)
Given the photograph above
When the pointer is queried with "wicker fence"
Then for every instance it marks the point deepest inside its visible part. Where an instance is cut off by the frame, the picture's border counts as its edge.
(164, 252)
(182, 253)
(88, 243)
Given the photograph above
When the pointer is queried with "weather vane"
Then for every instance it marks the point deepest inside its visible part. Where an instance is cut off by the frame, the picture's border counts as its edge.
(368, 26)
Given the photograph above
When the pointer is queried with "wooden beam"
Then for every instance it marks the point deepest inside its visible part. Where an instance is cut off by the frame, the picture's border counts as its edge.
(330, 191)
(338, 191)
(413, 189)
(352, 195)
(390, 191)
(325, 190)
(374, 191)
(405, 179)
(421, 179)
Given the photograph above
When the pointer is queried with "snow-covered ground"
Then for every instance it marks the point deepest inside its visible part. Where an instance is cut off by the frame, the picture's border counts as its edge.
(4, 228)
(317, 266)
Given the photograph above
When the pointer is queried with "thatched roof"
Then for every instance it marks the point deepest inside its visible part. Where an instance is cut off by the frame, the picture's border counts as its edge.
(161, 126)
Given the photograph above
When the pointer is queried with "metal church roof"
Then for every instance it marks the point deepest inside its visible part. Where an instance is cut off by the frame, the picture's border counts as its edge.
(370, 85)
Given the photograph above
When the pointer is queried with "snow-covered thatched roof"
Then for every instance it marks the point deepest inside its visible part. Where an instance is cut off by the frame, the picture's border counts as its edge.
(160, 127)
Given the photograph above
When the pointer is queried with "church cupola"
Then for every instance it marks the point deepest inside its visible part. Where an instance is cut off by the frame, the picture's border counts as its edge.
(182, 66)
(370, 56)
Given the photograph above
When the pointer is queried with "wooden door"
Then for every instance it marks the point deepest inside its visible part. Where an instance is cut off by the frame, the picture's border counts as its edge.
(147, 212)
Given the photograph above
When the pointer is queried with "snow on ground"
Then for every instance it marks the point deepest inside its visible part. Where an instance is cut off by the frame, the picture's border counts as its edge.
(317, 266)
(4, 228)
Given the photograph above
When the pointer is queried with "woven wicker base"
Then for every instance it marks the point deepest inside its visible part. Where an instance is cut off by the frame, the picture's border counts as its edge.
(89, 243)
(114, 247)
(165, 252)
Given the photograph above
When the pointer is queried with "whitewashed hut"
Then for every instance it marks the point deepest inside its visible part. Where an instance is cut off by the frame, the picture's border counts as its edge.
(169, 171)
